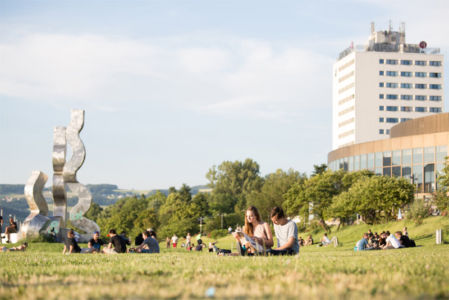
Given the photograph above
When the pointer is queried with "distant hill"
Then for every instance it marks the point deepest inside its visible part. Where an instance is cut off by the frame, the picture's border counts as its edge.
(6, 189)
(12, 199)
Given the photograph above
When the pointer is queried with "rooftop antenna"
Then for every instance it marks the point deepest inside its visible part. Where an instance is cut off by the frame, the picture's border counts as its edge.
(389, 25)
(372, 27)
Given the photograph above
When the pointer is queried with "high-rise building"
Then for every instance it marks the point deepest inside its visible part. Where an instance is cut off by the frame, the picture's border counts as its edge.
(383, 83)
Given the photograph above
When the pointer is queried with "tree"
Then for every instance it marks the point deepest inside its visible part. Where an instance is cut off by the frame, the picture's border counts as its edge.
(180, 212)
(123, 215)
(274, 188)
(315, 195)
(156, 200)
(231, 183)
(319, 169)
(296, 202)
(441, 197)
(375, 198)
(94, 212)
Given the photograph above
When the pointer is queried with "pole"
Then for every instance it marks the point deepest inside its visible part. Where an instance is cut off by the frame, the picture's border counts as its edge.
(201, 225)
(221, 221)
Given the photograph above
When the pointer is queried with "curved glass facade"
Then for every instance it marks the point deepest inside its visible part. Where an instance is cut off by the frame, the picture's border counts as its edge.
(420, 165)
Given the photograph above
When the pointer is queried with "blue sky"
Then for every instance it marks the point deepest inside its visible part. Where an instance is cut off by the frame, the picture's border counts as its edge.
(171, 88)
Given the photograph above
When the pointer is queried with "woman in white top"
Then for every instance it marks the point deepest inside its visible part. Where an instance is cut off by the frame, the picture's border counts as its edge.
(257, 230)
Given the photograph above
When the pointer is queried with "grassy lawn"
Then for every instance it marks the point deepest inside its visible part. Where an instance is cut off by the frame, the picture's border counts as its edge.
(422, 272)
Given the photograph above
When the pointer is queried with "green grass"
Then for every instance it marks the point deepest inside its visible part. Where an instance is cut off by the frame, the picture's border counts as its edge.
(44, 273)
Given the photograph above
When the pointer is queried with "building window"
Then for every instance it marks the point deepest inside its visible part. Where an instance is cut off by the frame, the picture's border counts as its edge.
(406, 108)
(392, 85)
(405, 119)
(392, 61)
(381, 84)
(392, 97)
(420, 86)
(406, 74)
(381, 120)
(435, 98)
(406, 62)
(381, 61)
(435, 86)
(387, 131)
(420, 62)
(381, 107)
(392, 108)
(406, 85)
(420, 109)
(381, 96)
(392, 120)
(406, 97)
(435, 109)
(381, 73)
(381, 131)
(434, 75)
(420, 74)
(434, 63)
(420, 97)
(392, 73)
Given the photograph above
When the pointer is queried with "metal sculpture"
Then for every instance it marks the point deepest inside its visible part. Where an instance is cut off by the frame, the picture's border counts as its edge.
(59, 192)
(69, 174)
(38, 218)
(64, 177)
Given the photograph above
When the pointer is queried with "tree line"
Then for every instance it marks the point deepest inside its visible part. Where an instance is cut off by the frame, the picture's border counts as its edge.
(236, 185)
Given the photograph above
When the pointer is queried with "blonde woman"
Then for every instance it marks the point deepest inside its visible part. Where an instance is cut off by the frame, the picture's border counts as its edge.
(257, 230)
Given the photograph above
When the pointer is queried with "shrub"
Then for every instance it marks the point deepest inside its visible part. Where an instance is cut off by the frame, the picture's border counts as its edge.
(418, 211)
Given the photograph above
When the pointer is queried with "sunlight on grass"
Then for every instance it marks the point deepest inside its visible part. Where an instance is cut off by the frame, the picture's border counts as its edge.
(44, 273)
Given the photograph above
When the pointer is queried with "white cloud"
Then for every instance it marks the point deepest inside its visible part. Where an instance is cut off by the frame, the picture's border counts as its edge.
(235, 77)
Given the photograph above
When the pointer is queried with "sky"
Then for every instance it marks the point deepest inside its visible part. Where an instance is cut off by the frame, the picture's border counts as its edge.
(172, 88)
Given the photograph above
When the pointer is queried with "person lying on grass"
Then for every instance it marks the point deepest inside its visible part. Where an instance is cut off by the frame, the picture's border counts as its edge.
(149, 245)
(117, 244)
(257, 231)
(286, 233)
(22, 247)
(71, 246)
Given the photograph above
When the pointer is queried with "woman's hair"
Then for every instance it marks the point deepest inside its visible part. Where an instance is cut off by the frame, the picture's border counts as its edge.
(249, 228)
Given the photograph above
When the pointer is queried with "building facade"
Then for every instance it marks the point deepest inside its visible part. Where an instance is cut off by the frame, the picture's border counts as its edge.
(381, 84)
(416, 150)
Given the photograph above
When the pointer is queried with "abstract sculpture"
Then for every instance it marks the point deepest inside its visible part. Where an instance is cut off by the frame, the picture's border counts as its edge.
(59, 192)
(38, 218)
(69, 173)
(64, 177)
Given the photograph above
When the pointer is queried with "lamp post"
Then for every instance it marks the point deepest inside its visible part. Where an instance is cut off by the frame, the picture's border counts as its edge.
(201, 225)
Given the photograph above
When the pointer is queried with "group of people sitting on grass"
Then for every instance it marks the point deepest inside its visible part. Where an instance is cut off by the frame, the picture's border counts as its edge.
(117, 243)
(384, 241)
(189, 245)
(256, 237)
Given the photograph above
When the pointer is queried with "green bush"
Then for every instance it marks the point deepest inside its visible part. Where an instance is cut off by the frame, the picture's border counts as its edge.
(419, 210)
(218, 233)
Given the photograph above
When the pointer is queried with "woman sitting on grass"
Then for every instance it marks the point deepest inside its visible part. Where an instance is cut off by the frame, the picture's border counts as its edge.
(257, 230)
